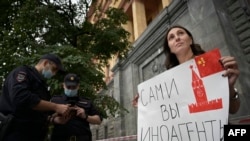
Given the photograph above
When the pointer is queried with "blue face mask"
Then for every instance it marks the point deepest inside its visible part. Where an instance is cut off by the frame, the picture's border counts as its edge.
(70, 93)
(47, 73)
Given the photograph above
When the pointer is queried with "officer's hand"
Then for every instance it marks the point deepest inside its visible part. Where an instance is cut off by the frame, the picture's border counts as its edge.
(62, 109)
(80, 112)
(61, 119)
(72, 112)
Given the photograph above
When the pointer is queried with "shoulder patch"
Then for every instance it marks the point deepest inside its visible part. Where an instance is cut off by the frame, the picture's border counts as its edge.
(21, 76)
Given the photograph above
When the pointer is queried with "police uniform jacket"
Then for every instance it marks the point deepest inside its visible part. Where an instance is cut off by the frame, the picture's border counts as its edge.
(23, 88)
(75, 126)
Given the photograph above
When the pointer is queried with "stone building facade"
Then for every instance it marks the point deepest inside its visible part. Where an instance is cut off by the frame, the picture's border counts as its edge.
(224, 24)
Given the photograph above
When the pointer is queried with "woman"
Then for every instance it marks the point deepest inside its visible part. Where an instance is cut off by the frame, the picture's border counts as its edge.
(179, 47)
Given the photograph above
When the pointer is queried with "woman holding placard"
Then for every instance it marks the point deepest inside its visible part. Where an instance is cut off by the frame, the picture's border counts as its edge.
(179, 47)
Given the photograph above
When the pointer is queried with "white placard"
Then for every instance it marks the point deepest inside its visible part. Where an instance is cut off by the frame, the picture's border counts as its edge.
(179, 105)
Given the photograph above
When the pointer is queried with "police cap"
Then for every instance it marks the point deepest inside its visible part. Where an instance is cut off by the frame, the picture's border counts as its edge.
(55, 59)
(71, 79)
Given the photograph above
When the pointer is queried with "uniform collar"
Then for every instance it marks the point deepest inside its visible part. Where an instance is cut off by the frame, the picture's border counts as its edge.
(70, 98)
(37, 73)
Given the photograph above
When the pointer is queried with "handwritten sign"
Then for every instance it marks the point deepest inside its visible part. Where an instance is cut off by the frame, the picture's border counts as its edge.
(189, 102)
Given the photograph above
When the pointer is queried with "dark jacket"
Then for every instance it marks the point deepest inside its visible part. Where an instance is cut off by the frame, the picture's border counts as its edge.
(23, 88)
(75, 126)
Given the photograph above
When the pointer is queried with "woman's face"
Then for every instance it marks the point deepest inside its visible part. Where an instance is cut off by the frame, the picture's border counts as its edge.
(179, 41)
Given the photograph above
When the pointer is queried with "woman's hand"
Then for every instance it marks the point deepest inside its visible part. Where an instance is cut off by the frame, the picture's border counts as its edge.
(232, 72)
(231, 67)
(135, 101)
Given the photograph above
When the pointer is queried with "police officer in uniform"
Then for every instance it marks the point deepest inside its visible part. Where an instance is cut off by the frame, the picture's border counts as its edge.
(83, 113)
(26, 96)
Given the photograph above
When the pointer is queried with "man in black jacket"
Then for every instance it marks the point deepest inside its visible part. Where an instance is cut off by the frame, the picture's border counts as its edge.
(77, 128)
(26, 96)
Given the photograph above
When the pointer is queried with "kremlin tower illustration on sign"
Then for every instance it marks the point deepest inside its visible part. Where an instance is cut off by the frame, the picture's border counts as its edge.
(207, 64)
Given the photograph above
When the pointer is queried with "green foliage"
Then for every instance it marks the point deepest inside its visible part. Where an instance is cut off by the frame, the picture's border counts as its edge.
(106, 103)
(31, 28)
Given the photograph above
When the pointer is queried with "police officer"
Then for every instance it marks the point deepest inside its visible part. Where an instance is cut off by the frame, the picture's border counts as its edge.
(82, 114)
(26, 96)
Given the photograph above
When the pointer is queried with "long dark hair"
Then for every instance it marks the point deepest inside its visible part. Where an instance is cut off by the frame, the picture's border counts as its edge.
(171, 59)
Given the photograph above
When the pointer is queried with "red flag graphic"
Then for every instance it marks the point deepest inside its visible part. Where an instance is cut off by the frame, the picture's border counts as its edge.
(208, 63)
